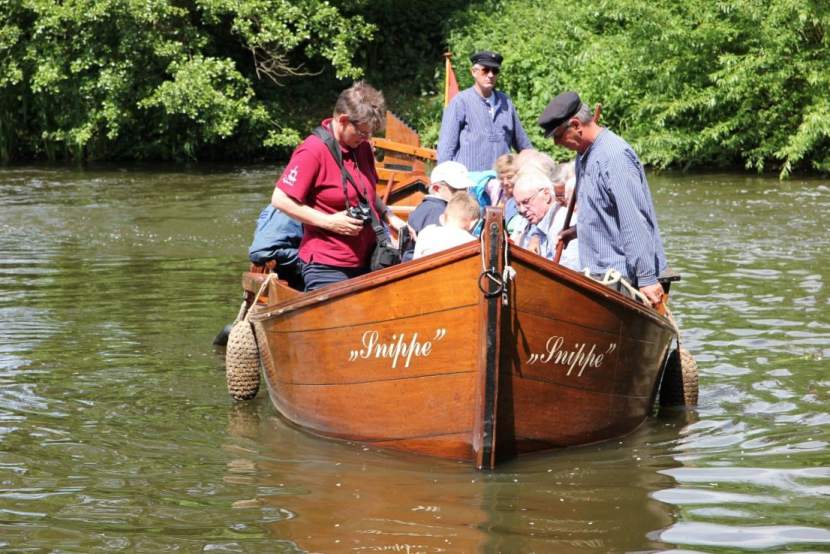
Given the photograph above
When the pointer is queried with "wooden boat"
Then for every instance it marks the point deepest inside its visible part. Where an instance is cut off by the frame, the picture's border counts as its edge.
(402, 166)
(445, 356)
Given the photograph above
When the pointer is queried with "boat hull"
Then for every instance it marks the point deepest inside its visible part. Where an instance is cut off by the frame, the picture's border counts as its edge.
(417, 358)
(579, 362)
(375, 367)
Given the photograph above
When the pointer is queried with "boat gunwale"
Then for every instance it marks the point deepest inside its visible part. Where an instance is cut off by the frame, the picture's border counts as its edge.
(398, 272)
(579, 279)
(364, 282)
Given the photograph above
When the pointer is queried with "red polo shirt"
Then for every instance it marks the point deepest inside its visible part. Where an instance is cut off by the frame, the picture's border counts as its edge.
(312, 177)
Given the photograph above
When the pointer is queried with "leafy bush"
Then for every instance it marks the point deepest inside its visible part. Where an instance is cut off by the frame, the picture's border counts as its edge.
(689, 84)
(700, 83)
(88, 79)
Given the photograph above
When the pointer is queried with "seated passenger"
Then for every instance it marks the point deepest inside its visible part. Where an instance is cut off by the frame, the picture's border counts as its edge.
(527, 161)
(277, 237)
(482, 183)
(534, 159)
(537, 203)
(500, 190)
(446, 179)
(506, 170)
(454, 227)
(568, 172)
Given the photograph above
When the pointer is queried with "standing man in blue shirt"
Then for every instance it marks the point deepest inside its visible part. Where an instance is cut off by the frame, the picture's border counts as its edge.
(617, 225)
(480, 123)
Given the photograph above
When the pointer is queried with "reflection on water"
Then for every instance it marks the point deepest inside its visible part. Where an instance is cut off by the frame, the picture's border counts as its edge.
(116, 432)
(337, 497)
(329, 496)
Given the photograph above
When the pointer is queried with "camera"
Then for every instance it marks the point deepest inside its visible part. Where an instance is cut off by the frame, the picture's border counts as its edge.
(406, 242)
(361, 212)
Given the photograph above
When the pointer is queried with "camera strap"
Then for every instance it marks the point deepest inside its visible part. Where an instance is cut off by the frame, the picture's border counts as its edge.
(328, 139)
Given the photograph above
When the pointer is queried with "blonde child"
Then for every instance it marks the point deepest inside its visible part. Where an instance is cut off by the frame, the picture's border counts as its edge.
(454, 226)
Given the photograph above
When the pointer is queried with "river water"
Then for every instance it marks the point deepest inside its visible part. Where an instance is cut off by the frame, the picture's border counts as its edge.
(117, 433)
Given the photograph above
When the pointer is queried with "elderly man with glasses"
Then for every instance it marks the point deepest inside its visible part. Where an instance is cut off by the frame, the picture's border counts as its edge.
(536, 200)
(480, 123)
(617, 225)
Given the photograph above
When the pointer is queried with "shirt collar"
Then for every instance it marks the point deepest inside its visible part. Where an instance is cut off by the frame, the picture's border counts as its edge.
(597, 141)
(544, 225)
(492, 100)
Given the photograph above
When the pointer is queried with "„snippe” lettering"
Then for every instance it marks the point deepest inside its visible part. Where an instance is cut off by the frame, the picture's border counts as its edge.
(580, 356)
(401, 347)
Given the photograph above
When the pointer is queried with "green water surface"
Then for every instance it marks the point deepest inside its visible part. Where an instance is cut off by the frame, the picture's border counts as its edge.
(117, 433)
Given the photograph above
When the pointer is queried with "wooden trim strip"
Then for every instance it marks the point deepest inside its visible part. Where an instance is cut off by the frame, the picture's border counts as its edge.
(491, 306)
(386, 144)
(364, 282)
(379, 380)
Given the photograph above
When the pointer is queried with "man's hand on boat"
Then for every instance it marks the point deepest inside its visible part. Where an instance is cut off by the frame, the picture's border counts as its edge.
(654, 293)
(567, 235)
(343, 224)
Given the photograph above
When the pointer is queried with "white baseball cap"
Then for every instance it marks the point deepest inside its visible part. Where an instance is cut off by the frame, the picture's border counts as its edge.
(452, 173)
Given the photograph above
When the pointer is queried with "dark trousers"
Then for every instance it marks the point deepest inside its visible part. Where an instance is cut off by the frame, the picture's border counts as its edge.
(319, 275)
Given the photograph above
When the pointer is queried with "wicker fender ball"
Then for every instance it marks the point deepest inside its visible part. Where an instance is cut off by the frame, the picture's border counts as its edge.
(242, 362)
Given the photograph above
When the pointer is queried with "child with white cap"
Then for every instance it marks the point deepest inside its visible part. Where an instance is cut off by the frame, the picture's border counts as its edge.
(446, 179)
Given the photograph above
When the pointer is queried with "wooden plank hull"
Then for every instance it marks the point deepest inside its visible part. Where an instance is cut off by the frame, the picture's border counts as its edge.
(579, 365)
(399, 358)
(375, 367)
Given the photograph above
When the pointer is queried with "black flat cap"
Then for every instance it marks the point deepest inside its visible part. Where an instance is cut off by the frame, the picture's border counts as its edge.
(560, 110)
(487, 59)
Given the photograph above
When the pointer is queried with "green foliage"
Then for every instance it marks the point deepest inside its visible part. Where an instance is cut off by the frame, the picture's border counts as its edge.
(691, 84)
(700, 83)
(89, 79)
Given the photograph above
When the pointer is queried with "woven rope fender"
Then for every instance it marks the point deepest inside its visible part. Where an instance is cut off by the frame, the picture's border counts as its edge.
(242, 354)
(242, 362)
(680, 380)
(688, 366)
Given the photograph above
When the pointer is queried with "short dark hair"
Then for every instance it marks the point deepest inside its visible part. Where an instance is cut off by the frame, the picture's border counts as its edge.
(363, 103)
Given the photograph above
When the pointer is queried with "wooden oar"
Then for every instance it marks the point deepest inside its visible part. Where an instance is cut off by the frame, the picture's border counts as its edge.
(561, 244)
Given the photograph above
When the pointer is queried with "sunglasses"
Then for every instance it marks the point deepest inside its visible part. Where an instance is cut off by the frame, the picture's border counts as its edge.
(485, 69)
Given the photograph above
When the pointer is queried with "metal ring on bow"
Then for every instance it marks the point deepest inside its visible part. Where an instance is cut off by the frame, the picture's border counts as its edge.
(494, 277)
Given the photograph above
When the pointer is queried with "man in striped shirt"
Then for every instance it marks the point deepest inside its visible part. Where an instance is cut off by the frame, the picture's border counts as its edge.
(617, 225)
(480, 123)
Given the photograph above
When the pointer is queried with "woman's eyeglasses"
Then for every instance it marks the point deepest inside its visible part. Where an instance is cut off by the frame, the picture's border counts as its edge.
(361, 133)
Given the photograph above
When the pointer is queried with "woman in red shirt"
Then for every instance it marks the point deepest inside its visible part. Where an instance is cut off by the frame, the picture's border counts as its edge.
(335, 245)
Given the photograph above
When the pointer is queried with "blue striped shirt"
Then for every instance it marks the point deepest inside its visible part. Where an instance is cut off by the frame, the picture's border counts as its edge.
(617, 225)
(472, 136)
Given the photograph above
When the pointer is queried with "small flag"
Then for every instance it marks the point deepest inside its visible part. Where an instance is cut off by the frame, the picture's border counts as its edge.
(450, 83)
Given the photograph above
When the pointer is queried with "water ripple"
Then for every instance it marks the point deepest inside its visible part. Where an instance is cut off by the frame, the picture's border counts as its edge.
(116, 432)
(744, 537)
